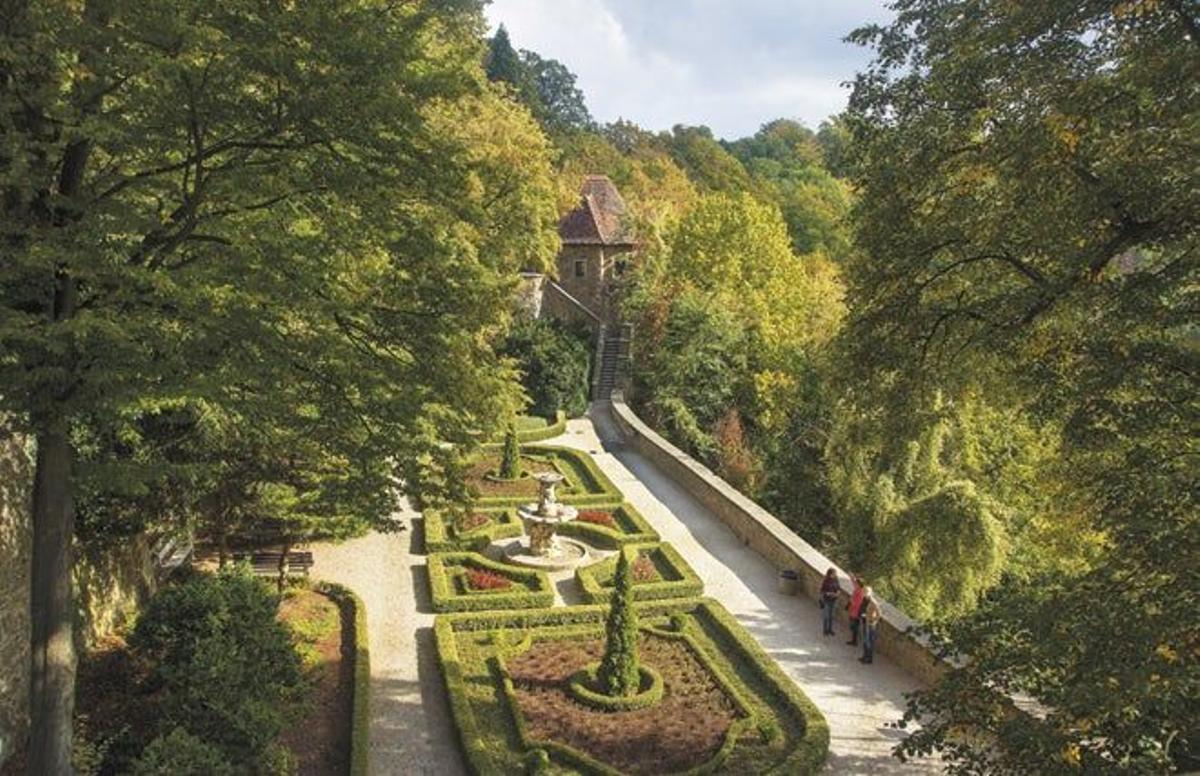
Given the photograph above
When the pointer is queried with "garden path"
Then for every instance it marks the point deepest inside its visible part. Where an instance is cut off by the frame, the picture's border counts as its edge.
(411, 729)
(857, 700)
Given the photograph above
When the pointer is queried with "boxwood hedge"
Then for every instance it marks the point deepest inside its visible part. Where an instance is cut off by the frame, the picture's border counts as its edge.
(531, 588)
(677, 578)
(585, 484)
(360, 723)
(471, 652)
(441, 535)
(630, 527)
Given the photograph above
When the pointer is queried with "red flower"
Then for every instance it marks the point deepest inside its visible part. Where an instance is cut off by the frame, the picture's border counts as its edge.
(482, 579)
(598, 518)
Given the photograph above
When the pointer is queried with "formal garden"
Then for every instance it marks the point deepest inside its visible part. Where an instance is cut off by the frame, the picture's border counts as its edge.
(645, 676)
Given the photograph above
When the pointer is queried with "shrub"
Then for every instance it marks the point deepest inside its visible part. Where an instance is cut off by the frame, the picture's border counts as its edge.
(224, 667)
(618, 674)
(482, 579)
(554, 365)
(510, 461)
(488, 584)
(179, 753)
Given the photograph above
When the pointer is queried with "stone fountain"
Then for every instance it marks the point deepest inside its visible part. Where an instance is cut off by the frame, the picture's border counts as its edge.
(543, 547)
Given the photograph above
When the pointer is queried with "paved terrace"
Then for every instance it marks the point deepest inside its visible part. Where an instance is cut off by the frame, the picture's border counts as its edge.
(411, 730)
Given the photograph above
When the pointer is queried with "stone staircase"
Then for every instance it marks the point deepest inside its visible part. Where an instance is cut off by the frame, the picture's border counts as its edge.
(610, 359)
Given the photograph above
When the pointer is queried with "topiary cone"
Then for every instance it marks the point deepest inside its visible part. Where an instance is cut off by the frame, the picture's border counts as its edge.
(618, 673)
(510, 461)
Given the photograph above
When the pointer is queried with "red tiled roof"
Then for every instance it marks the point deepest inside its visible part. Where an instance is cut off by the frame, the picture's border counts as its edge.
(599, 219)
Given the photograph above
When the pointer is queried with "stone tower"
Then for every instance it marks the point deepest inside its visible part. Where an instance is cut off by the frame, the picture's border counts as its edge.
(596, 240)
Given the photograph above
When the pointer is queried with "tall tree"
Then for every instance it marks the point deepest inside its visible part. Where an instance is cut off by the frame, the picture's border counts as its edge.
(200, 199)
(1029, 221)
(504, 64)
(561, 105)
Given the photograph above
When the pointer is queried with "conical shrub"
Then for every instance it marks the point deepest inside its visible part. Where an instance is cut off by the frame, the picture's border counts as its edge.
(510, 461)
(618, 673)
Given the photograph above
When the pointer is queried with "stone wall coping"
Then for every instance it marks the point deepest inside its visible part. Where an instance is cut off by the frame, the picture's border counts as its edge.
(809, 561)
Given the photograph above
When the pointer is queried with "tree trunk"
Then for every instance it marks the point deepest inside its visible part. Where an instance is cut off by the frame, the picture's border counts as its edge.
(52, 648)
(283, 567)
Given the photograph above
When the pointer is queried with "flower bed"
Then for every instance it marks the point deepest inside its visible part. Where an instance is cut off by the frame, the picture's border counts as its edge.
(585, 484)
(724, 706)
(467, 581)
(659, 571)
(610, 527)
(476, 531)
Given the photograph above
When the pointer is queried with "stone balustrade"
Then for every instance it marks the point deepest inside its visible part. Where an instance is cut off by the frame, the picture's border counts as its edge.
(769, 537)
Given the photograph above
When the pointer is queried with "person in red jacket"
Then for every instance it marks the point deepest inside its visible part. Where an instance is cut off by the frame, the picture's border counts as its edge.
(852, 609)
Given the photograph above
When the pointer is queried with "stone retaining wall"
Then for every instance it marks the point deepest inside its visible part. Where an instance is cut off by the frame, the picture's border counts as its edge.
(111, 584)
(766, 535)
(16, 543)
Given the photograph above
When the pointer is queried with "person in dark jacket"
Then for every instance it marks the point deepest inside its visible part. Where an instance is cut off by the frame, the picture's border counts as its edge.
(853, 610)
(829, 597)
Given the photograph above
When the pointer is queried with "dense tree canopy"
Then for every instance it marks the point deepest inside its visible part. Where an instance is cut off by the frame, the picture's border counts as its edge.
(1028, 220)
(202, 203)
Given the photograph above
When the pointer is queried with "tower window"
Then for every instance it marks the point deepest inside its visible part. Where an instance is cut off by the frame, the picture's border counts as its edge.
(579, 268)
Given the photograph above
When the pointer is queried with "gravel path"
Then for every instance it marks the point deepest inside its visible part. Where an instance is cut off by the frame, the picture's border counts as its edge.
(411, 730)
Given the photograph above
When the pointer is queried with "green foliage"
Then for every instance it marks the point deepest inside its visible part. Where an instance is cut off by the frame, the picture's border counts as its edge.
(649, 691)
(179, 753)
(678, 579)
(619, 673)
(443, 534)
(503, 63)
(360, 725)
(554, 363)
(531, 589)
(759, 688)
(785, 160)
(223, 667)
(940, 553)
(544, 428)
(254, 210)
(707, 163)
(1029, 231)
(586, 484)
(545, 86)
(510, 459)
(630, 527)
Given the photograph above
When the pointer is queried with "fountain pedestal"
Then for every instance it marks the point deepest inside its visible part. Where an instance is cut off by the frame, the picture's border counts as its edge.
(543, 547)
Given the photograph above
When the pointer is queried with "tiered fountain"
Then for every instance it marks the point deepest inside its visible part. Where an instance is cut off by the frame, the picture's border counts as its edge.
(542, 547)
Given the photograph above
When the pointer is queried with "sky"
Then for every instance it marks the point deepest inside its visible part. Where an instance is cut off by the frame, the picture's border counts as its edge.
(732, 65)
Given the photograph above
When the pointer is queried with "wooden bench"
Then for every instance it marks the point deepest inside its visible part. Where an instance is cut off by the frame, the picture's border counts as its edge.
(266, 564)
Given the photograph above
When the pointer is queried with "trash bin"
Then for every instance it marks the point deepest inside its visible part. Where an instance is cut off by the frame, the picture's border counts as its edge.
(789, 581)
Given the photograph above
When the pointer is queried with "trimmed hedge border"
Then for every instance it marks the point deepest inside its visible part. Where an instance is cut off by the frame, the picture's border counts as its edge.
(440, 536)
(360, 723)
(610, 538)
(579, 469)
(685, 584)
(580, 688)
(725, 647)
(557, 428)
(447, 599)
